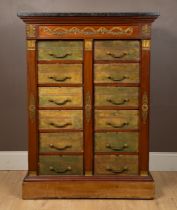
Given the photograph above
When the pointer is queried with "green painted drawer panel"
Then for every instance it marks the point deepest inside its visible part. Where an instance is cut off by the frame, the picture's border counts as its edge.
(116, 165)
(61, 165)
(116, 142)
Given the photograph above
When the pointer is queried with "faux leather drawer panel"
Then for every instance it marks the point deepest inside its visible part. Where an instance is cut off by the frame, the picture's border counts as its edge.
(60, 96)
(116, 165)
(116, 142)
(116, 96)
(60, 50)
(59, 73)
(61, 142)
(116, 119)
(60, 119)
(120, 73)
(117, 50)
(61, 165)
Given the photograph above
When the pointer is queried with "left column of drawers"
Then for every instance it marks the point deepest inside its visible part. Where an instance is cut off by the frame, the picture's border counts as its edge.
(60, 107)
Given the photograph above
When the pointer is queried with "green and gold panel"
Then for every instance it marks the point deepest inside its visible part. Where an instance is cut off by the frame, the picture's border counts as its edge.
(60, 73)
(116, 96)
(60, 50)
(116, 142)
(60, 96)
(61, 165)
(61, 142)
(116, 119)
(120, 73)
(117, 50)
(116, 165)
(60, 119)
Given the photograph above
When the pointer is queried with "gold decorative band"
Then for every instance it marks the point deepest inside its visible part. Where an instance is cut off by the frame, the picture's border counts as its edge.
(31, 44)
(146, 30)
(146, 44)
(30, 31)
(88, 44)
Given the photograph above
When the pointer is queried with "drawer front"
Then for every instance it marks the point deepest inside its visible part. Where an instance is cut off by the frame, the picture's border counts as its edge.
(117, 50)
(60, 96)
(60, 119)
(116, 96)
(116, 142)
(116, 119)
(59, 73)
(61, 165)
(61, 142)
(116, 165)
(120, 73)
(60, 50)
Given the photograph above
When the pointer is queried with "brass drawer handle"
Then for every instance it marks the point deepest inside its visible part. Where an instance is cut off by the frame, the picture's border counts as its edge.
(60, 56)
(117, 80)
(119, 171)
(51, 168)
(118, 103)
(60, 126)
(58, 79)
(117, 126)
(60, 103)
(123, 54)
(117, 148)
(59, 148)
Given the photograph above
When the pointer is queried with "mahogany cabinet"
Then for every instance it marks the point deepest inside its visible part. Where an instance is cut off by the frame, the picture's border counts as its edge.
(88, 105)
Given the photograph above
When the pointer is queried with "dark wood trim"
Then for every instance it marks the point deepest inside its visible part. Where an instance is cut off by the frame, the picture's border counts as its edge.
(116, 107)
(144, 126)
(61, 108)
(59, 85)
(118, 84)
(115, 130)
(59, 130)
(88, 105)
(32, 112)
(60, 62)
(60, 153)
(116, 153)
(115, 61)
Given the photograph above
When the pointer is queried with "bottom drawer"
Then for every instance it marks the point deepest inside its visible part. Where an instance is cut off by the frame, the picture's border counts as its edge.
(116, 165)
(61, 165)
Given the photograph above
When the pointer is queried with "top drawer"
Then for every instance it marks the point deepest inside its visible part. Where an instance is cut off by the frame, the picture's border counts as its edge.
(117, 50)
(60, 50)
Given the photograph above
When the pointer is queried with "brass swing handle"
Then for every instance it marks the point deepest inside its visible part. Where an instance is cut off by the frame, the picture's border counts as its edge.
(60, 56)
(118, 103)
(119, 171)
(60, 148)
(123, 54)
(117, 126)
(59, 79)
(60, 126)
(60, 103)
(51, 168)
(117, 80)
(118, 148)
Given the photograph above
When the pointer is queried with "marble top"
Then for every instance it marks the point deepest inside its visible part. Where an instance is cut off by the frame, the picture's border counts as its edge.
(82, 14)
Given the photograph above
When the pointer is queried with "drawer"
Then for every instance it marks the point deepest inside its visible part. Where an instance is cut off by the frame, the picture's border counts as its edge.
(117, 50)
(116, 142)
(60, 73)
(61, 165)
(119, 73)
(61, 142)
(60, 96)
(116, 96)
(60, 119)
(116, 119)
(116, 165)
(60, 50)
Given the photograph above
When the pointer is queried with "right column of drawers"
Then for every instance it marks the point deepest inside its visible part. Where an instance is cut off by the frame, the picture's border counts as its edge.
(116, 107)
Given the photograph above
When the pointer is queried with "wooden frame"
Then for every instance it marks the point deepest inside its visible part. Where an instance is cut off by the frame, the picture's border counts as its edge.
(88, 28)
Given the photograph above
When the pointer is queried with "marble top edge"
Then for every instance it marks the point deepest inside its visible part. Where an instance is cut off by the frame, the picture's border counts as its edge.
(82, 14)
